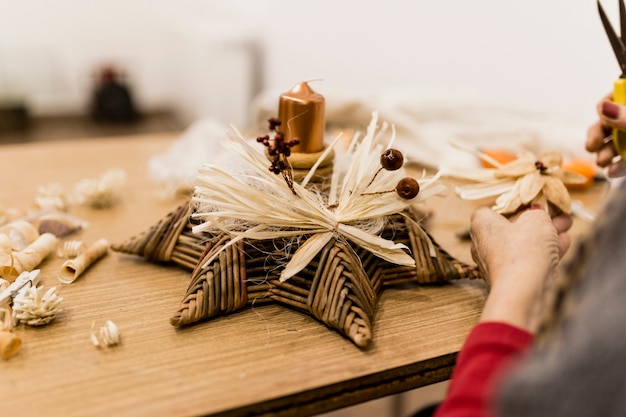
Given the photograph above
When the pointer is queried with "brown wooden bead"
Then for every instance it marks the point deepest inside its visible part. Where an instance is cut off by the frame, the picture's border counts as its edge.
(407, 188)
(391, 159)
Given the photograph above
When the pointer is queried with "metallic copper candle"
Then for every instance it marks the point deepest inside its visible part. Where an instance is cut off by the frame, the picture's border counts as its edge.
(301, 111)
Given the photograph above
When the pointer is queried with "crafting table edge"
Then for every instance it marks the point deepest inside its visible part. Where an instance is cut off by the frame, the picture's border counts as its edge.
(359, 390)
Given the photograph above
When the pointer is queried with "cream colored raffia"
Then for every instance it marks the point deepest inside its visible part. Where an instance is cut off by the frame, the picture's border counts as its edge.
(259, 205)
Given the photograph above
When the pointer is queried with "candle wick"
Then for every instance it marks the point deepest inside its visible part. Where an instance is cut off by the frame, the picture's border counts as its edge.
(314, 79)
(294, 118)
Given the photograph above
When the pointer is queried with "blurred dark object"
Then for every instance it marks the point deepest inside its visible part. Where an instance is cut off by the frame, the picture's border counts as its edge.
(428, 411)
(112, 100)
(13, 116)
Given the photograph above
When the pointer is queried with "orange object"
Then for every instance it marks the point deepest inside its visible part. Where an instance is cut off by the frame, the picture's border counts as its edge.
(301, 111)
(581, 167)
(500, 155)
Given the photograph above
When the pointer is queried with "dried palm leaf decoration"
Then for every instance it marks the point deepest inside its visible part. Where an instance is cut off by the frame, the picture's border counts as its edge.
(272, 238)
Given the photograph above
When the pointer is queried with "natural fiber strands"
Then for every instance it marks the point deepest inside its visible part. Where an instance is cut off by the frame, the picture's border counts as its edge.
(336, 291)
(169, 240)
(339, 288)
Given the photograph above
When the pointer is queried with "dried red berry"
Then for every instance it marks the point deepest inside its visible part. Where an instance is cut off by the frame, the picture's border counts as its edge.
(540, 166)
(273, 122)
(407, 188)
(392, 159)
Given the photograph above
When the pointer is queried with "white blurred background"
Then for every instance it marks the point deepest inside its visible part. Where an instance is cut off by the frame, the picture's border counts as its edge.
(206, 58)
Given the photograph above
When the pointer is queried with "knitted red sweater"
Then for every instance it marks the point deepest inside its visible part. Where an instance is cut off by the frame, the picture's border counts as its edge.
(488, 350)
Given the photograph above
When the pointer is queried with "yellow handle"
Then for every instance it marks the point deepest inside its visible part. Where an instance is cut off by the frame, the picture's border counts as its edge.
(619, 96)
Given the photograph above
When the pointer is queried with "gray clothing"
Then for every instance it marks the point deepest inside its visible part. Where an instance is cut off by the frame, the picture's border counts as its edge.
(580, 370)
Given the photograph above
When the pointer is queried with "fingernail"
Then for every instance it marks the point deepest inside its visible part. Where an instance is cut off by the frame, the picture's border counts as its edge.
(610, 109)
(536, 207)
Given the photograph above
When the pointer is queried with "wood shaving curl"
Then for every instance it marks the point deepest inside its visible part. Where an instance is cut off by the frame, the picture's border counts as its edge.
(108, 335)
(10, 343)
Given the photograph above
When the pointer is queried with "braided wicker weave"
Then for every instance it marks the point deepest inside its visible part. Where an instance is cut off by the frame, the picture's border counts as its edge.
(339, 287)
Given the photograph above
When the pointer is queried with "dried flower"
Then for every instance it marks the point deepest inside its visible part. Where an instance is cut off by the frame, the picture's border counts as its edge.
(102, 192)
(524, 181)
(35, 308)
(51, 197)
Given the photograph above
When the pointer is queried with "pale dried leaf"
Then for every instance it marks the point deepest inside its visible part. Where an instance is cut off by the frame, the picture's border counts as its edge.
(305, 254)
(551, 159)
(529, 186)
(515, 169)
(557, 194)
(570, 178)
(508, 203)
(383, 248)
(484, 190)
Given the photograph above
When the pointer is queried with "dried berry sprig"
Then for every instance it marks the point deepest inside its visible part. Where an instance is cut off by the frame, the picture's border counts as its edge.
(407, 188)
(279, 150)
(390, 160)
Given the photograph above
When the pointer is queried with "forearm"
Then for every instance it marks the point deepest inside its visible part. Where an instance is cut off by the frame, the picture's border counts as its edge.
(488, 350)
(519, 307)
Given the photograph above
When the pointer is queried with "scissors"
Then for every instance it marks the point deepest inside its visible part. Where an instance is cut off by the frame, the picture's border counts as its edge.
(619, 87)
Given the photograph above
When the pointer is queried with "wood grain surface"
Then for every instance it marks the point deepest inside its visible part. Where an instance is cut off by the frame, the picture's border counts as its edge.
(265, 360)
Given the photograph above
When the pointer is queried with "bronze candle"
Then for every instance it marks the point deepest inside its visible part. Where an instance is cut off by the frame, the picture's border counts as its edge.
(301, 111)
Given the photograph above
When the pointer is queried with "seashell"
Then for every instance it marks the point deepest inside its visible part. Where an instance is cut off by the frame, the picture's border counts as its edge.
(108, 335)
(14, 263)
(59, 224)
(73, 268)
(35, 308)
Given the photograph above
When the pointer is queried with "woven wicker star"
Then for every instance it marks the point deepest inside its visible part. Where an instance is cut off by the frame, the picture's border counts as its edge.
(260, 237)
(340, 287)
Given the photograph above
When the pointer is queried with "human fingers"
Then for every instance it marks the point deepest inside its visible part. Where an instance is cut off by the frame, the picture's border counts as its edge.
(564, 243)
(562, 222)
(607, 96)
(596, 136)
(613, 114)
(617, 169)
(605, 154)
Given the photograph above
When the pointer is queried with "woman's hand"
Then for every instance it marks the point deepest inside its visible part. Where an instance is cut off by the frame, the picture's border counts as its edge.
(599, 140)
(519, 258)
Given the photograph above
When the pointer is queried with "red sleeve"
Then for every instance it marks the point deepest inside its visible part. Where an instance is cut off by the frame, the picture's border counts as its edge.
(486, 352)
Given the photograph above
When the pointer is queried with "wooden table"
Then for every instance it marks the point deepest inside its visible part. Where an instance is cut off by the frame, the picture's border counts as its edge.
(265, 360)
